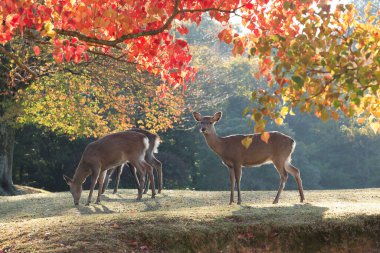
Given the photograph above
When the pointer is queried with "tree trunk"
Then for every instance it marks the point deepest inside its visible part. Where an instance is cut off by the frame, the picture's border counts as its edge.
(7, 139)
(7, 132)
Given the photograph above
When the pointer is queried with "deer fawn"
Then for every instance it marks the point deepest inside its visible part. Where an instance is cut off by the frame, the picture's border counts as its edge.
(234, 155)
(108, 152)
(154, 142)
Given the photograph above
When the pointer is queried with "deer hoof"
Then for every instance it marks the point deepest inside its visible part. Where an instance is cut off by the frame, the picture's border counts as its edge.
(275, 202)
(159, 191)
(87, 204)
(239, 202)
(153, 196)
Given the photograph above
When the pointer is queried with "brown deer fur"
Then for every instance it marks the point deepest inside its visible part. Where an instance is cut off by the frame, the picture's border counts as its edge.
(234, 155)
(109, 152)
(154, 142)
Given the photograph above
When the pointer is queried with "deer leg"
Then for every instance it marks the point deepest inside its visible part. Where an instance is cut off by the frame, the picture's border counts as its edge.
(119, 170)
(158, 166)
(100, 185)
(107, 180)
(297, 176)
(283, 178)
(232, 184)
(141, 183)
(238, 171)
(94, 180)
(146, 186)
(149, 170)
(133, 171)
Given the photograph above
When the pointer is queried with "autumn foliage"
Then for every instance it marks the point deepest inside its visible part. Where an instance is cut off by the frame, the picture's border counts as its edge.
(326, 63)
(316, 58)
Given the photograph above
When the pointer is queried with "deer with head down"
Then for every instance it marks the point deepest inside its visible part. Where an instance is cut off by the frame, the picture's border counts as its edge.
(154, 142)
(235, 156)
(106, 153)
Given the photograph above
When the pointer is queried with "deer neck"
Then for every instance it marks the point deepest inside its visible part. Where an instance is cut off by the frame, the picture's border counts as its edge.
(80, 176)
(214, 142)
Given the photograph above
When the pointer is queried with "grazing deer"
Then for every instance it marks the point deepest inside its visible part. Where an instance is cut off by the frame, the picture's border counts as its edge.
(234, 155)
(154, 142)
(106, 153)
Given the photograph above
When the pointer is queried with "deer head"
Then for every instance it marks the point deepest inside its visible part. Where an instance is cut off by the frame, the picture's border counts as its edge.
(75, 189)
(207, 122)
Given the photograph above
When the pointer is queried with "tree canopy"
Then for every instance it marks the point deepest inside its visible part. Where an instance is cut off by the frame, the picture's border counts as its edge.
(318, 58)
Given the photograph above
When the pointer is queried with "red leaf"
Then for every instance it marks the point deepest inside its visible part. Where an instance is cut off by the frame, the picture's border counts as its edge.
(37, 50)
(58, 57)
(77, 58)
(181, 43)
(74, 40)
(226, 35)
(249, 6)
(183, 30)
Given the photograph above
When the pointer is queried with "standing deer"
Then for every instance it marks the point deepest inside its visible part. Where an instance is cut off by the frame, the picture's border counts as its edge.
(154, 142)
(234, 155)
(108, 152)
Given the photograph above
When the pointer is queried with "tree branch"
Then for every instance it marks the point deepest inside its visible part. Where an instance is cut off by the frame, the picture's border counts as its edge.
(165, 26)
(17, 61)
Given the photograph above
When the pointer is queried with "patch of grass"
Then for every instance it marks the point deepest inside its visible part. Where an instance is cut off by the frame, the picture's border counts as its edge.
(193, 221)
(23, 189)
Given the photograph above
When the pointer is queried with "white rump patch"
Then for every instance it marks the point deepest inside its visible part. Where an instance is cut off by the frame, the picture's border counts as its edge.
(146, 146)
(156, 144)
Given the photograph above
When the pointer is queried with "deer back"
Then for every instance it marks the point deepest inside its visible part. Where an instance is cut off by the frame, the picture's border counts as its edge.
(154, 139)
(115, 149)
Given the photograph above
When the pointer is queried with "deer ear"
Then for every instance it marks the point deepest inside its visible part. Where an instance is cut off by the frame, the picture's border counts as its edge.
(67, 179)
(217, 116)
(197, 116)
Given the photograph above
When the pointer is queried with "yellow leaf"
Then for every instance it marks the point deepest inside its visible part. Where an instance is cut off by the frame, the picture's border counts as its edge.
(376, 113)
(291, 113)
(279, 121)
(246, 142)
(375, 126)
(284, 111)
(51, 33)
(265, 137)
(48, 26)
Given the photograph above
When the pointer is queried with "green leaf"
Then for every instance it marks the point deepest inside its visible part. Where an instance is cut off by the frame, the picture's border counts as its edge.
(252, 51)
(245, 111)
(258, 116)
(299, 81)
(336, 103)
(254, 96)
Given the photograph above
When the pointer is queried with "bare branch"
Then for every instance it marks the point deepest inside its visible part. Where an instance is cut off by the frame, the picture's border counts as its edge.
(117, 58)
